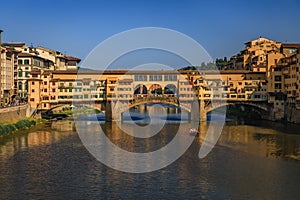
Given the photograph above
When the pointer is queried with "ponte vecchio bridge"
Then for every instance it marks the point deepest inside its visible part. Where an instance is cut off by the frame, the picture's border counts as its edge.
(115, 91)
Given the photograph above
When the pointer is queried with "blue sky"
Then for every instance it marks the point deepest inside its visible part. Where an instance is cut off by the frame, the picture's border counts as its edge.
(76, 27)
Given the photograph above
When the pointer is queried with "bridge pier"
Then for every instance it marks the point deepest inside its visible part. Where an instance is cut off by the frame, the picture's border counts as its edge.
(198, 112)
(113, 111)
(202, 111)
(108, 111)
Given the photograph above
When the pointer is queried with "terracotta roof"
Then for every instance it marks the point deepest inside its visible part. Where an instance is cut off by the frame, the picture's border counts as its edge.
(72, 58)
(10, 50)
(290, 45)
(46, 72)
(14, 44)
(35, 71)
(25, 55)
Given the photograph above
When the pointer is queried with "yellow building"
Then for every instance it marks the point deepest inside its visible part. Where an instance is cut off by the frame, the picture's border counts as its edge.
(254, 56)
(283, 83)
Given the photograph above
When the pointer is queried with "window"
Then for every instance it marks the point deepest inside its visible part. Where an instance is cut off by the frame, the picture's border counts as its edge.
(20, 86)
(277, 78)
(26, 74)
(45, 82)
(45, 105)
(170, 78)
(45, 90)
(277, 85)
(20, 74)
(155, 78)
(31, 99)
(140, 77)
(20, 62)
(32, 83)
(32, 90)
(26, 62)
(86, 96)
(53, 90)
(70, 89)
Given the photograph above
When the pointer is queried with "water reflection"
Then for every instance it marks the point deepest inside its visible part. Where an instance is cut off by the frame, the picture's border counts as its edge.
(42, 135)
(50, 162)
(261, 141)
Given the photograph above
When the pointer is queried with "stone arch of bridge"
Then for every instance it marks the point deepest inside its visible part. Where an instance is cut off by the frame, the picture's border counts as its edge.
(140, 89)
(210, 107)
(170, 89)
(155, 89)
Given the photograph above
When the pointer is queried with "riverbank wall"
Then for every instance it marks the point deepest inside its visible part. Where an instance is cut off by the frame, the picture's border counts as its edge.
(15, 113)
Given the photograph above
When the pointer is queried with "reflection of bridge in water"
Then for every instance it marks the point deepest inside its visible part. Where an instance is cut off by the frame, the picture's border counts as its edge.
(197, 109)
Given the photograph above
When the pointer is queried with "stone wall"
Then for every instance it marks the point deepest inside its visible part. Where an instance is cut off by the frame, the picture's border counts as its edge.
(15, 113)
(293, 114)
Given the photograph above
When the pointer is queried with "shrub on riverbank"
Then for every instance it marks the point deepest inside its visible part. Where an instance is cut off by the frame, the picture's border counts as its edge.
(22, 124)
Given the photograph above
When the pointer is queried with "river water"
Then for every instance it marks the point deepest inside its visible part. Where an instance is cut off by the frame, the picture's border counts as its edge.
(49, 161)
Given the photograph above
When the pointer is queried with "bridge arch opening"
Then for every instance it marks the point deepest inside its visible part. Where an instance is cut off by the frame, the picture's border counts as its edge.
(170, 89)
(239, 109)
(155, 89)
(140, 89)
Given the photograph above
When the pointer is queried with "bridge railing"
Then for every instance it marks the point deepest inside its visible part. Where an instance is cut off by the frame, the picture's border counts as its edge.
(152, 98)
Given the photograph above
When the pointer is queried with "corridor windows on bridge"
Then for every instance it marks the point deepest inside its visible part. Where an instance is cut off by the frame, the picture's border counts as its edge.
(169, 77)
(155, 77)
(140, 78)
